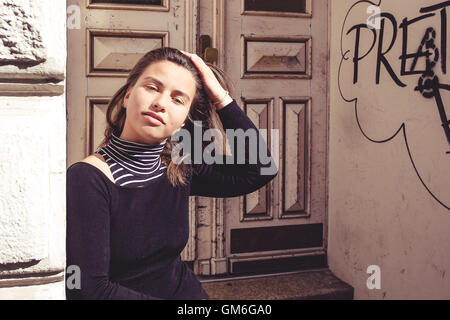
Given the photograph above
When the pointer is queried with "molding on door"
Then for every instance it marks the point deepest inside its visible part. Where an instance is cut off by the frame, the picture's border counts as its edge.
(219, 30)
(271, 60)
(124, 6)
(138, 34)
(91, 104)
(218, 261)
(301, 207)
(278, 263)
(192, 25)
(261, 199)
(189, 252)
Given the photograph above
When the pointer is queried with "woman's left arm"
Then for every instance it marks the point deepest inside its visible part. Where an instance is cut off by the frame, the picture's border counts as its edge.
(247, 169)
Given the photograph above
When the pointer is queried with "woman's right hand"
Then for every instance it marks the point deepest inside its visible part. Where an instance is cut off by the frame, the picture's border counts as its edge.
(215, 91)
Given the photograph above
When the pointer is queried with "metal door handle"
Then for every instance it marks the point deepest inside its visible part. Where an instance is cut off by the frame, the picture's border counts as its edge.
(207, 53)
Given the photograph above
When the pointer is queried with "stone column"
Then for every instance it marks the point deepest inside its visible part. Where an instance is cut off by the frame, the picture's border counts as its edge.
(32, 148)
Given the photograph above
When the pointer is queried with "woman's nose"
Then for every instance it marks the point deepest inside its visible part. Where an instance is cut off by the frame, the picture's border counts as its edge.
(157, 106)
(159, 103)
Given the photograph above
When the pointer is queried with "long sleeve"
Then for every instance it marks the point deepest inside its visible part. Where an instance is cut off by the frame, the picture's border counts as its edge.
(243, 171)
(88, 232)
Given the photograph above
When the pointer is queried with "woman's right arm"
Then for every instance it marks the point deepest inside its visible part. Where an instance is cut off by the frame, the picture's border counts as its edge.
(87, 237)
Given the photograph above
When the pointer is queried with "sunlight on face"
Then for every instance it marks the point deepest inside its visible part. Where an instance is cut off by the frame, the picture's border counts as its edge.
(158, 104)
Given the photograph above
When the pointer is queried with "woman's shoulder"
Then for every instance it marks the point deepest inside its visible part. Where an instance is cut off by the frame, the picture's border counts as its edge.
(91, 165)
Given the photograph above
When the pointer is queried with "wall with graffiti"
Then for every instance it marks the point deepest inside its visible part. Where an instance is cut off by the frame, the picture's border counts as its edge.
(389, 195)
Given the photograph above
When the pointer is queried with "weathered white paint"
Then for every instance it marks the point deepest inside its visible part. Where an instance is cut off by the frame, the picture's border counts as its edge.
(379, 211)
(32, 149)
(52, 291)
(25, 164)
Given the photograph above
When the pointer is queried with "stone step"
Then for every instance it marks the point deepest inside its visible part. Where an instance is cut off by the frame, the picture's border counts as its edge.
(305, 285)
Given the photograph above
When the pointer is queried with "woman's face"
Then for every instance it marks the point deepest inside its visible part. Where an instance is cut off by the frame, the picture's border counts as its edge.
(158, 104)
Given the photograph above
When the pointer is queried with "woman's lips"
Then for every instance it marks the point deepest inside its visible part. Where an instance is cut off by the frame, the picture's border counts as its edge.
(153, 119)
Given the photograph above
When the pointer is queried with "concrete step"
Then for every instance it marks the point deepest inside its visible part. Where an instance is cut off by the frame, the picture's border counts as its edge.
(305, 285)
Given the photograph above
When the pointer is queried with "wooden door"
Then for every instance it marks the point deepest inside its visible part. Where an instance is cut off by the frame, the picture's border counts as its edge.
(276, 53)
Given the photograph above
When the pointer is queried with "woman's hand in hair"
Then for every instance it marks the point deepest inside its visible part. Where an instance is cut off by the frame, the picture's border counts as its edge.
(215, 91)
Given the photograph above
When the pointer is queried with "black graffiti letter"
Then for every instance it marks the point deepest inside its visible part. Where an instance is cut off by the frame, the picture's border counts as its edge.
(356, 57)
(406, 56)
(444, 40)
(435, 7)
(429, 84)
(381, 55)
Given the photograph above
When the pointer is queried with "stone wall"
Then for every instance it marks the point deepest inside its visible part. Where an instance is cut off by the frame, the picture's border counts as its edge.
(32, 148)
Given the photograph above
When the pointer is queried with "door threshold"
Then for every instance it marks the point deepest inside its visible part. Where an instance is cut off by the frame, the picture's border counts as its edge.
(227, 277)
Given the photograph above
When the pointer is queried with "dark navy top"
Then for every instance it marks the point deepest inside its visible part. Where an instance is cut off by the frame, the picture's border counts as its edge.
(127, 241)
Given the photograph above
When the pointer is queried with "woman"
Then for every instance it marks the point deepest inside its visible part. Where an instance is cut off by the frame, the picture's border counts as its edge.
(127, 204)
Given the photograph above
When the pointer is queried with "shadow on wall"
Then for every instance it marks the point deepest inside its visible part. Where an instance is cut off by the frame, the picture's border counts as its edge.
(394, 70)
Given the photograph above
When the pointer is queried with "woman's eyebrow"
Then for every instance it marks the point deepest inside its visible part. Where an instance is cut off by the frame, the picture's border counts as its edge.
(155, 80)
(159, 83)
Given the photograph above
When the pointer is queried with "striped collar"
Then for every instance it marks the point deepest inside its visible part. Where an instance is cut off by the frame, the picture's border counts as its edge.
(133, 164)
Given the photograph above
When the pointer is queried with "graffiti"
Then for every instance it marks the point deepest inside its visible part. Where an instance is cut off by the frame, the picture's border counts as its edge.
(429, 84)
(374, 43)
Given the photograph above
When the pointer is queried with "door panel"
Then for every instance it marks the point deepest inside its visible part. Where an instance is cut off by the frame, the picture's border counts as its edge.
(295, 128)
(276, 57)
(256, 206)
(114, 53)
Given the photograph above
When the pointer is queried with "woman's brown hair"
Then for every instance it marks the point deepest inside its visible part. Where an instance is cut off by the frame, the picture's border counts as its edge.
(201, 109)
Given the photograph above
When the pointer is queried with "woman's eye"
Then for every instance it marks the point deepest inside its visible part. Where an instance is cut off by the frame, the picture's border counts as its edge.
(179, 100)
(152, 88)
